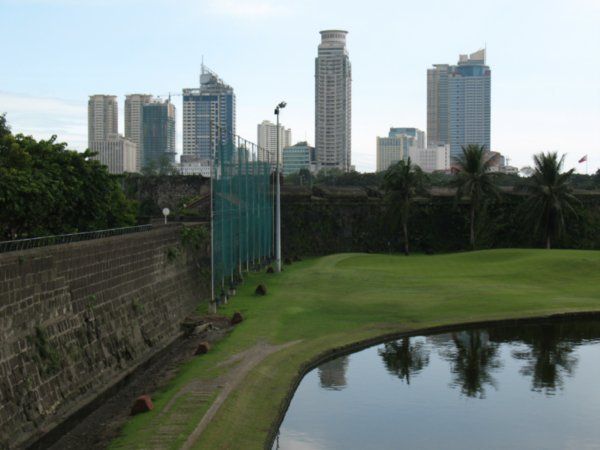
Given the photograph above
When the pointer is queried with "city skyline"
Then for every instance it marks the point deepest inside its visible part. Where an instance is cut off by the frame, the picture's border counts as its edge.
(546, 94)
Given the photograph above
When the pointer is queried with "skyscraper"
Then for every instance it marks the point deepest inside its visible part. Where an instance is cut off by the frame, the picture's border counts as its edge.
(458, 103)
(333, 102)
(134, 123)
(159, 132)
(208, 115)
(103, 117)
(267, 140)
(437, 105)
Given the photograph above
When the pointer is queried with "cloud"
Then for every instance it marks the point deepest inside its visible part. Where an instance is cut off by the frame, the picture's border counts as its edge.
(41, 117)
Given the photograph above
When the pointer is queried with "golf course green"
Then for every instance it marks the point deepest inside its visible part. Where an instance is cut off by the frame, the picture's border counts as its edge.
(324, 305)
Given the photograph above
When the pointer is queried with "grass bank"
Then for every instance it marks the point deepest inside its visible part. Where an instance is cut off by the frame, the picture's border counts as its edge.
(329, 303)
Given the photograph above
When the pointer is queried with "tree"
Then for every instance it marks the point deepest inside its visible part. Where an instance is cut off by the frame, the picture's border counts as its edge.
(46, 189)
(475, 181)
(549, 196)
(401, 182)
(4, 128)
(161, 166)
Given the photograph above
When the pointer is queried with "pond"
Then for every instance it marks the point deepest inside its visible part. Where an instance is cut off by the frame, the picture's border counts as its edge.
(531, 386)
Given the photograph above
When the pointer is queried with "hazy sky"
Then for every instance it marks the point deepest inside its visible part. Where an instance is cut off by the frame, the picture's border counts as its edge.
(544, 56)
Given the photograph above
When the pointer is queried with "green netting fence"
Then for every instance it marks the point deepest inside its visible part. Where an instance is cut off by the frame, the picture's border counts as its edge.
(242, 211)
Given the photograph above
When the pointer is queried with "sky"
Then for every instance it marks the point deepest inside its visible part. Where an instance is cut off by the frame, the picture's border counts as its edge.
(544, 57)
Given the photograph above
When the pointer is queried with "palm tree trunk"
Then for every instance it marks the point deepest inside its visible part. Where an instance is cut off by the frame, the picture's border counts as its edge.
(405, 230)
(472, 228)
(548, 241)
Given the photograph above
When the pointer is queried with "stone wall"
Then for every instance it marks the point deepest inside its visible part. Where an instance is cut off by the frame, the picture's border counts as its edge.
(76, 318)
(323, 219)
(153, 193)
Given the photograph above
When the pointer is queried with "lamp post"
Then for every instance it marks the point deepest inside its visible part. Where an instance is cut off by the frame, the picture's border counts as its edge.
(278, 216)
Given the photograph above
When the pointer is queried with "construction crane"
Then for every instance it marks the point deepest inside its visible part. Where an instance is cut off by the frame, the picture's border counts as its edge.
(169, 95)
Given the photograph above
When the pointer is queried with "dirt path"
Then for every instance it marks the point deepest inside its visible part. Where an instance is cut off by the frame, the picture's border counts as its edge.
(244, 362)
(96, 430)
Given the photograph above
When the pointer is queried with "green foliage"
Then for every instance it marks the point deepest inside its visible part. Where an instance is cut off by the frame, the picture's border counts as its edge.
(550, 196)
(301, 178)
(195, 237)
(47, 356)
(402, 181)
(173, 253)
(162, 166)
(335, 177)
(46, 189)
(474, 181)
(441, 179)
(4, 128)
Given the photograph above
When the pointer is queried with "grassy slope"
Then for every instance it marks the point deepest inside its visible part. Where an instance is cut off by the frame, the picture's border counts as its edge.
(342, 299)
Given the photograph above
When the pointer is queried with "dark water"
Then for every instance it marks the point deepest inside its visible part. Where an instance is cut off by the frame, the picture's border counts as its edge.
(525, 387)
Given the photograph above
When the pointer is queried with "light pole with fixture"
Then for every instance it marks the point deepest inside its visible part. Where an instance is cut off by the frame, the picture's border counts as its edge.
(278, 195)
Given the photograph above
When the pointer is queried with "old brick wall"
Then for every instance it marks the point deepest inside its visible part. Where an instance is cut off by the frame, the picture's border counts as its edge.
(76, 318)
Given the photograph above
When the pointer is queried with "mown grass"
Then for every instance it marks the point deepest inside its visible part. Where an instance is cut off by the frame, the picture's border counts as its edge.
(338, 300)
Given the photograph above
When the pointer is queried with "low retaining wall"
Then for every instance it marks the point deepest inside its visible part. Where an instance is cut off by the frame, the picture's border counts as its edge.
(76, 318)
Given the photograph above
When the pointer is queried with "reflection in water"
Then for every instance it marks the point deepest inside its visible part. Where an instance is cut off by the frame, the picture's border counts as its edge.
(333, 373)
(548, 355)
(472, 361)
(457, 390)
(403, 359)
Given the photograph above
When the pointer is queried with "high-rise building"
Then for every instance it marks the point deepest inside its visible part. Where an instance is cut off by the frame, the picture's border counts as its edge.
(103, 117)
(134, 122)
(458, 103)
(297, 157)
(116, 153)
(431, 159)
(208, 116)
(395, 147)
(437, 105)
(267, 140)
(417, 135)
(333, 102)
(159, 132)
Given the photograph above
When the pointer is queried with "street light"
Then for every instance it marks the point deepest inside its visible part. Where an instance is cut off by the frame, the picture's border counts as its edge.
(278, 216)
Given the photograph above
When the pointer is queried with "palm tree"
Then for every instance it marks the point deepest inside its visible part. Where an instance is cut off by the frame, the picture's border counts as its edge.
(474, 180)
(550, 196)
(401, 182)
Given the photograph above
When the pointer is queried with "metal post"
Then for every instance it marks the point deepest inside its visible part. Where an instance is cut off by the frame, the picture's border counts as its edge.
(278, 217)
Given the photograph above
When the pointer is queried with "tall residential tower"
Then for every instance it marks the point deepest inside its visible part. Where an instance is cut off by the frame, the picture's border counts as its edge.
(103, 117)
(267, 141)
(134, 122)
(208, 116)
(333, 102)
(458, 103)
(158, 132)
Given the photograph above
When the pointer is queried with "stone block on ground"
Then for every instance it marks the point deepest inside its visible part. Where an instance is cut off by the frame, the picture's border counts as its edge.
(203, 348)
(142, 404)
(236, 318)
(261, 289)
(202, 328)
